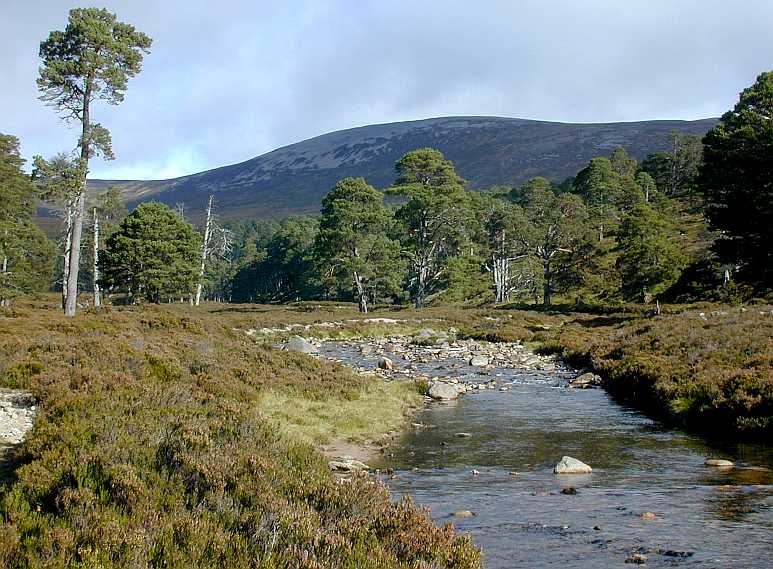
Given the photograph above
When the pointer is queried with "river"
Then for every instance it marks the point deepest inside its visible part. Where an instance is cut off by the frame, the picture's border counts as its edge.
(649, 495)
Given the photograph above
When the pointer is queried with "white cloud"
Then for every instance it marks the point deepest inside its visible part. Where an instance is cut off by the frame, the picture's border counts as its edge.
(227, 81)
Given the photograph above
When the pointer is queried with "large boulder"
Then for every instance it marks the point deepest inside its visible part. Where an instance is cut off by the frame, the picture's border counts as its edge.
(479, 361)
(443, 391)
(299, 344)
(569, 465)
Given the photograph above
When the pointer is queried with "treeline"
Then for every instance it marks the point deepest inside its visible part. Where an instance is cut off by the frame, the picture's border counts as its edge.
(689, 223)
(427, 237)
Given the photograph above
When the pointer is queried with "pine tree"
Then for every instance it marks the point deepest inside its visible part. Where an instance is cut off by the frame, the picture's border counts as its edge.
(353, 243)
(153, 255)
(432, 220)
(737, 180)
(26, 255)
(93, 58)
(555, 233)
(650, 259)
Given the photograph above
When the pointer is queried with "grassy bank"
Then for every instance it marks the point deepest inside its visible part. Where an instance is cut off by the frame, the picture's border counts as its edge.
(162, 442)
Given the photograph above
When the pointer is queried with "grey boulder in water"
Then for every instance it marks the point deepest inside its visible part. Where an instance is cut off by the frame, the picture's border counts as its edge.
(299, 344)
(569, 465)
(442, 390)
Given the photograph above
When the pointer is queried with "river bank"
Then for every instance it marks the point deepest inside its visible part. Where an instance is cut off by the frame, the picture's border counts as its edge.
(485, 461)
(198, 412)
(152, 446)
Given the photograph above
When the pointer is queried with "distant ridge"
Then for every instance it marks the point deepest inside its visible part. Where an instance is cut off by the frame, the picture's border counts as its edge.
(486, 150)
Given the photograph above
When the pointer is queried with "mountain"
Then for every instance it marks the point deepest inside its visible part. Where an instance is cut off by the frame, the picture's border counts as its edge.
(486, 151)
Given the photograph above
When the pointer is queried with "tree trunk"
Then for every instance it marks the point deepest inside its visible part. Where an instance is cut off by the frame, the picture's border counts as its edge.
(66, 255)
(97, 292)
(80, 206)
(5, 302)
(362, 295)
(204, 251)
(421, 287)
(547, 286)
(75, 254)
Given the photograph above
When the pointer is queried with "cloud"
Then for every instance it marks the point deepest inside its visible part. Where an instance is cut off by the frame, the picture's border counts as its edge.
(228, 81)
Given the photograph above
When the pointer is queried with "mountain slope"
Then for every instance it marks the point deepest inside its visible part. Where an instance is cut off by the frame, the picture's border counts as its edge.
(486, 151)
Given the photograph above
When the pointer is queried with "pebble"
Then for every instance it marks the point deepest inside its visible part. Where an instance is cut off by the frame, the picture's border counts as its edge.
(463, 435)
(637, 559)
(648, 515)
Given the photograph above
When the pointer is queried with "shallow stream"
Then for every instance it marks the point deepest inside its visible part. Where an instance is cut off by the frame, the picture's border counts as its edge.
(703, 516)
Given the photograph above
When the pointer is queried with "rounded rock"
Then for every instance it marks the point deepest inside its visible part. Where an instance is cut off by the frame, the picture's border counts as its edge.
(569, 465)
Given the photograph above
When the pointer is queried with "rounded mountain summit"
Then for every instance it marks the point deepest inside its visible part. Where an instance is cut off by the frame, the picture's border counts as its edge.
(486, 151)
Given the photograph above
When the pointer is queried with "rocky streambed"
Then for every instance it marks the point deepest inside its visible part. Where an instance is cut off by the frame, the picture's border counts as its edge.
(489, 451)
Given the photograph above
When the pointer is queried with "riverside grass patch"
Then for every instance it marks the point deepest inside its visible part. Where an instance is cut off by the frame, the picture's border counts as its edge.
(151, 449)
(378, 409)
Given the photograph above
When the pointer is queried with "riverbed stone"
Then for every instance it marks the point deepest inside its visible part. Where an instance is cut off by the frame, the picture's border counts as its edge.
(443, 391)
(385, 363)
(347, 465)
(479, 361)
(463, 514)
(719, 462)
(531, 361)
(569, 465)
(300, 344)
(585, 380)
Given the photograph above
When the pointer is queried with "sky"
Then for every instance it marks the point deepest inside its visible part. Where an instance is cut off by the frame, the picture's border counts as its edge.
(228, 80)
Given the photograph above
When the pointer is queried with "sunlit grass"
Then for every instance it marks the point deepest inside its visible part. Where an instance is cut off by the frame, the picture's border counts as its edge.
(380, 407)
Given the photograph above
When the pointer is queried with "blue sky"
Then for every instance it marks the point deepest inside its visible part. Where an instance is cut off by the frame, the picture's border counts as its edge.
(229, 80)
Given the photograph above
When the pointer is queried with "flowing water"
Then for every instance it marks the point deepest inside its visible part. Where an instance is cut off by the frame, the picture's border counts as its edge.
(703, 516)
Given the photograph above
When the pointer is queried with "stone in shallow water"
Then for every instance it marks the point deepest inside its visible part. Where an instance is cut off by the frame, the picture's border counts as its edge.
(299, 344)
(719, 462)
(569, 465)
(385, 363)
(463, 514)
(479, 361)
(637, 559)
(443, 391)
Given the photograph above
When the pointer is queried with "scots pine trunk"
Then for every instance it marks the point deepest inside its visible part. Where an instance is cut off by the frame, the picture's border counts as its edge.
(80, 205)
(66, 253)
(95, 270)
(5, 302)
(547, 287)
(362, 295)
(204, 251)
